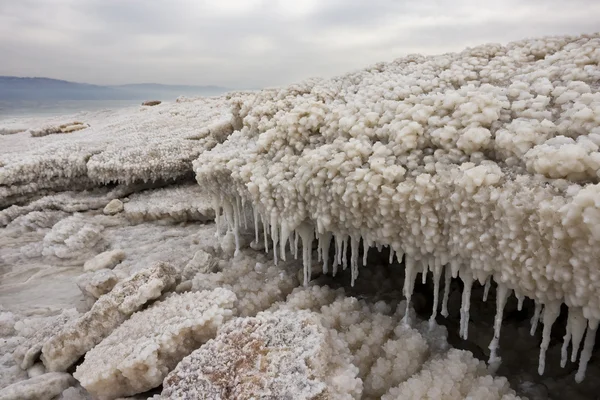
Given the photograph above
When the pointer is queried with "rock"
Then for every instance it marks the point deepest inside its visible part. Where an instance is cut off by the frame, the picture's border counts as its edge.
(43, 387)
(137, 356)
(151, 103)
(114, 207)
(111, 309)
(107, 259)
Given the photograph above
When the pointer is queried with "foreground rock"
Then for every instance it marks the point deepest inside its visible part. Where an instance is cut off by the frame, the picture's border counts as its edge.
(137, 356)
(43, 387)
(281, 355)
(127, 297)
(151, 103)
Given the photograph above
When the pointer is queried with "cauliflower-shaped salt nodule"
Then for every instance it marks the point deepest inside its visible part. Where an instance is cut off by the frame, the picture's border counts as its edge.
(72, 237)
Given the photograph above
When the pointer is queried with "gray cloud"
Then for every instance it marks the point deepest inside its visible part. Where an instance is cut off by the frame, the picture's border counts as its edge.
(256, 43)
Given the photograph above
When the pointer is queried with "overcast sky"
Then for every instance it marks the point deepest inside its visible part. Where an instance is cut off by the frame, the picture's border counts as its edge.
(257, 43)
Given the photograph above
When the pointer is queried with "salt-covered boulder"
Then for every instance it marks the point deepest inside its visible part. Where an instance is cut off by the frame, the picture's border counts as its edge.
(111, 309)
(273, 355)
(137, 356)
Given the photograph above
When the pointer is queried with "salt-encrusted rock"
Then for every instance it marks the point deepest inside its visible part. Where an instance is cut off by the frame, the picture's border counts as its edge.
(109, 311)
(108, 259)
(95, 284)
(137, 356)
(115, 206)
(37, 333)
(455, 375)
(43, 387)
(273, 355)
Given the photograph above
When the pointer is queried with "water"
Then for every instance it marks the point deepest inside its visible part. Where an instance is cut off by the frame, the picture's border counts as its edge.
(43, 108)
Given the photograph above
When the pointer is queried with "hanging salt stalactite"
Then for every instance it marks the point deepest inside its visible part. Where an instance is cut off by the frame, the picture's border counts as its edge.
(230, 214)
(217, 208)
(353, 259)
(243, 210)
(447, 280)
(255, 217)
(338, 253)
(586, 352)
(467, 279)
(520, 300)
(576, 324)
(274, 236)
(410, 274)
(319, 246)
(424, 264)
(502, 293)
(265, 224)
(486, 289)
(536, 318)
(391, 255)
(551, 312)
(437, 274)
(345, 253)
(379, 247)
(296, 238)
(305, 231)
(325, 250)
(454, 266)
(366, 246)
(284, 235)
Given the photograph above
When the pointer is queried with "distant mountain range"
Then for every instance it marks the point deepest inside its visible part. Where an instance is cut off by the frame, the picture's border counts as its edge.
(39, 89)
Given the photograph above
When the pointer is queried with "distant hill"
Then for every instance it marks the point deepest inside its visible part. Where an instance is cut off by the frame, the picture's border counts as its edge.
(19, 89)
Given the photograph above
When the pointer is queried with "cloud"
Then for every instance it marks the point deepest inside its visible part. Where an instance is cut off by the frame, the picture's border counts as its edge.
(256, 43)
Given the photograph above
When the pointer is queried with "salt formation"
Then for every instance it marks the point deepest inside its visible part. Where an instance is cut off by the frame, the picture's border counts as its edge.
(180, 203)
(137, 355)
(95, 284)
(72, 237)
(37, 332)
(43, 387)
(53, 129)
(273, 355)
(104, 260)
(454, 375)
(256, 284)
(127, 297)
(123, 146)
(485, 162)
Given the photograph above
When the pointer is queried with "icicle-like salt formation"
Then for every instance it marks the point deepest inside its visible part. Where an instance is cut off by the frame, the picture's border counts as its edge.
(325, 251)
(306, 231)
(365, 252)
(409, 284)
(447, 280)
(502, 294)
(353, 259)
(274, 236)
(283, 239)
(296, 238)
(486, 289)
(536, 318)
(551, 311)
(467, 279)
(588, 347)
(576, 324)
(391, 260)
(424, 264)
(217, 208)
(255, 216)
(437, 274)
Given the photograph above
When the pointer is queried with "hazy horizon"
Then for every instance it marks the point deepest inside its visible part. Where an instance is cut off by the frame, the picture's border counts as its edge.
(256, 43)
